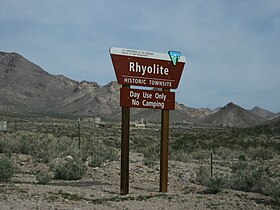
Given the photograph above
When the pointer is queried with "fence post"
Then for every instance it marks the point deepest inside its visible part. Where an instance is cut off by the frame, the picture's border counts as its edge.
(79, 136)
(211, 160)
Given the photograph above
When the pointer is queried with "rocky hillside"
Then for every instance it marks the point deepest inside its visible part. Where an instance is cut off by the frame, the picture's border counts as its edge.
(273, 124)
(192, 112)
(90, 99)
(27, 89)
(232, 115)
(263, 113)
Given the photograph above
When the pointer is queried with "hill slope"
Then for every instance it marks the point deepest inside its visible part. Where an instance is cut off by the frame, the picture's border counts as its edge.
(263, 113)
(232, 115)
(27, 88)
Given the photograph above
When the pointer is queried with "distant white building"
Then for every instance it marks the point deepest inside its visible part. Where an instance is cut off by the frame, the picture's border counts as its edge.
(97, 120)
(139, 124)
(184, 122)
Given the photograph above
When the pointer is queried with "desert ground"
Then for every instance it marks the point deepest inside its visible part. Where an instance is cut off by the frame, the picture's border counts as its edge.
(55, 167)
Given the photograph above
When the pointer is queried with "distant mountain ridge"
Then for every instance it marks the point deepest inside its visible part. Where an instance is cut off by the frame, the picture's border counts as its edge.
(263, 113)
(27, 89)
(232, 115)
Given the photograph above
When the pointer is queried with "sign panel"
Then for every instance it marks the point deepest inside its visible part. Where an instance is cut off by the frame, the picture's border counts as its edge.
(3, 125)
(144, 68)
(147, 99)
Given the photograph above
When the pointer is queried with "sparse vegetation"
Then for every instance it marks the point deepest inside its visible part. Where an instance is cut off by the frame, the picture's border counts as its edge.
(239, 154)
(43, 177)
(75, 197)
(149, 146)
(203, 175)
(251, 179)
(102, 153)
(243, 177)
(149, 163)
(213, 184)
(69, 170)
(261, 153)
(6, 168)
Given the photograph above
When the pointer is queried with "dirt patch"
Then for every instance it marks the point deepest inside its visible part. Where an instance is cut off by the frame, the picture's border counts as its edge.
(100, 189)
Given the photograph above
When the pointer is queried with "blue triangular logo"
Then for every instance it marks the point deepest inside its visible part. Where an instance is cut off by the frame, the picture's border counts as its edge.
(175, 56)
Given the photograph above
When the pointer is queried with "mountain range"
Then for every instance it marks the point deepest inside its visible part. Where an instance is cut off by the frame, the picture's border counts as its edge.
(27, 89)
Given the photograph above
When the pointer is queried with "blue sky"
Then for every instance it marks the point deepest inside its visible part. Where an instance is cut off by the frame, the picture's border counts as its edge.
(232, 47)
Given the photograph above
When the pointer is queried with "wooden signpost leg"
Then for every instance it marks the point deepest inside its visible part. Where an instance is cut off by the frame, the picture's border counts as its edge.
(125, 150)
(164, 150)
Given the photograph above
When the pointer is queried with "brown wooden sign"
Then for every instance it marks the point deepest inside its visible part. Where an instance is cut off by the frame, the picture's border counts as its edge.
(144, 68)
(147, 99)
(150, 69)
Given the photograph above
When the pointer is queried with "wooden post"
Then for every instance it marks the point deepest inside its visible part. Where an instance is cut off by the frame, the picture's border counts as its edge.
(79, 137)
(125, 149)
(211, 161)
(164, 149)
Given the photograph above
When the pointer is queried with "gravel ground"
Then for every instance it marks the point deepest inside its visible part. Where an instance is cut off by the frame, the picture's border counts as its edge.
(100, 189)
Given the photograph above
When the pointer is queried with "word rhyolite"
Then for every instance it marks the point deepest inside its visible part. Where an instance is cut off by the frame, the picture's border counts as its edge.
(154, 69)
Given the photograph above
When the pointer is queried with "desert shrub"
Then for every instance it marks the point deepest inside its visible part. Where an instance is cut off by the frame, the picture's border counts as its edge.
(250, 179)
(180, 155)
(186, 143)
(102, 153)
(184, 148)
(243, 180)
(261, 153)
(200, 154)
(43, 147)
(43, 178)
(213, 184)
(275, 192)
(242, 157)
(69, 170)
(203, 175)
(151, 152)
(46, 147)
(25, 145)
(149, 163)
(239, 167)
(62, 147)
(223, 152)
(2, 146)
(7, 144)
(226, 153)
(6, 168)
(149, 147)
(96, 161)
(254, 179)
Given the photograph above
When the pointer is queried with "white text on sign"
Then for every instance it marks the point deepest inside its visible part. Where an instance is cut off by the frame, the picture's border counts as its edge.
(154, 69)
(147, 99)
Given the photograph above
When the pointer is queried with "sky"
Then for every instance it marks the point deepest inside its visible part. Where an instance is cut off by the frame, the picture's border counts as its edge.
(232, 47)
